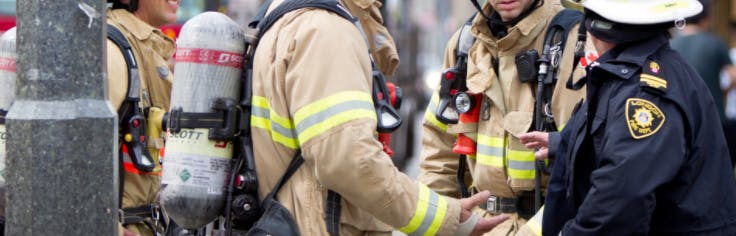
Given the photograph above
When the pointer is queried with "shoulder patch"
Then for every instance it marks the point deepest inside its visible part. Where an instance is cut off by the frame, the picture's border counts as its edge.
(643, 118)
(651, 78)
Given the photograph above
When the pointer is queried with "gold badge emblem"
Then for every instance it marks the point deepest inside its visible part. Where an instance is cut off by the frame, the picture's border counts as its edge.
(643, 118)
(654, 67)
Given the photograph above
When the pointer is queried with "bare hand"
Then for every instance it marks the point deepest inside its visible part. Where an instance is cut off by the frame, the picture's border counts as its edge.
(484, 224)
(537, 140)
(127, 232)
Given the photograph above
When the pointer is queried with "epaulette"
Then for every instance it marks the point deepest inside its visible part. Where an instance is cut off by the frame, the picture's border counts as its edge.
(652, 78)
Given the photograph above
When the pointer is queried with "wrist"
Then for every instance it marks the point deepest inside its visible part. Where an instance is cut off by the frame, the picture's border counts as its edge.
(465, 228)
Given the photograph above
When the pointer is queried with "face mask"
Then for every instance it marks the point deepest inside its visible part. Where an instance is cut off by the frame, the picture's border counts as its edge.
(381, 43)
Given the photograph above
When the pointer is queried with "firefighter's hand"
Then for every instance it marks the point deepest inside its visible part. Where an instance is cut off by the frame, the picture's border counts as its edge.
(481, 225)
(538, 141)
(127, 232)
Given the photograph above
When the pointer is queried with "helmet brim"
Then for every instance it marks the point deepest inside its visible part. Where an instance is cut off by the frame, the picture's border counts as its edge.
(639, 12)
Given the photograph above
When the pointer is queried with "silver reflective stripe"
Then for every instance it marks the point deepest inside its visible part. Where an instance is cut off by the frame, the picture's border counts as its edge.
(429, 217)
(490, 151)
(275, 127)
(521, 165)
(318, 117)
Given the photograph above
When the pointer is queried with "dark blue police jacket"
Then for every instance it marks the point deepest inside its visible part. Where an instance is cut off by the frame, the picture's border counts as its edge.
(645, 154)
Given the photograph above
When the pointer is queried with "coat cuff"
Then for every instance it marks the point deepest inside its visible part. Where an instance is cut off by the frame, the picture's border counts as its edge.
(452, 219)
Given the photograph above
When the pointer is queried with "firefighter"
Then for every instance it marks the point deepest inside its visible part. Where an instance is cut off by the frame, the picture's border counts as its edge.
(138, 22)
(312, 85)
(645, 153)
(499, 163)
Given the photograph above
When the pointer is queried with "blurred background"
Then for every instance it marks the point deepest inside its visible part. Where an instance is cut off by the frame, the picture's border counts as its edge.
(420, 28)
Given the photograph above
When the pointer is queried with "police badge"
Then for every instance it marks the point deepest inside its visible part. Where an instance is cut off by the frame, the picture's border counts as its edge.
(643, 118)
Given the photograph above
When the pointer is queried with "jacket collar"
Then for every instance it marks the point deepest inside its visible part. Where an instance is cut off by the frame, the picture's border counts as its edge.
(526, 26)
(625, 60)
(141, 30)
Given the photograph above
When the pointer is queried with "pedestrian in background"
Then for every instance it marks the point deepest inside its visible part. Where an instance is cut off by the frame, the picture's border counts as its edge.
(709, 55)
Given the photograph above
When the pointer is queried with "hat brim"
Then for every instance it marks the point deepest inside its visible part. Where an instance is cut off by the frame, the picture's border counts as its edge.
(640, 12)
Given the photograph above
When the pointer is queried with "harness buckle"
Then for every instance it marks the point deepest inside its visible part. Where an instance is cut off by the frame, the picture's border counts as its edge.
(493, 205)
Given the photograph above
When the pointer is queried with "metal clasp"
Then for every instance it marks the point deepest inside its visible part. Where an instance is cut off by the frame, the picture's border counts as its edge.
(493, 205)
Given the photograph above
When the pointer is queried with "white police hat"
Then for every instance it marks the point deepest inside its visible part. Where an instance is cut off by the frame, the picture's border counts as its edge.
(644, 12)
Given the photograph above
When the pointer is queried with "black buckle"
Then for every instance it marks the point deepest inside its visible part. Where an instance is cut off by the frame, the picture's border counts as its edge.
(136, 128)
(173, 118)
(230, 111)
(493, 205)
(498, 205)
(222, 122)
(388, 118)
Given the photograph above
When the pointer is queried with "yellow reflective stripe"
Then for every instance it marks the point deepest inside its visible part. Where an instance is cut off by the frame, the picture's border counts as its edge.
(520, 164)
(429, 214)
(332, 111)
(438, 218)
(561, 127)
(419, 212)
(429, 113)
(490, 151)
(334, 121)
(535, 223)
(281, 129)
(325, 103)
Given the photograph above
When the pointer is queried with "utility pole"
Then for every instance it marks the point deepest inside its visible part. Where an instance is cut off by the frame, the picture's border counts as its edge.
(62, 135)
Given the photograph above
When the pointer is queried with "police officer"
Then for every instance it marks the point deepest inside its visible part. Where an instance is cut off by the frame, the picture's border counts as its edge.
(138, 22)
(501, 164)
(645, 153)
(312, 85)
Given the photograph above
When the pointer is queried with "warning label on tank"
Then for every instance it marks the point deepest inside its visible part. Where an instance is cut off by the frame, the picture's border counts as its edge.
(195, 141)
(210, 57)
(184, 175)
(7, 64)
(191, 159)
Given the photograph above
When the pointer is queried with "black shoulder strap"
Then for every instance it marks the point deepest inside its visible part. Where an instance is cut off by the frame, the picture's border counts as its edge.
(565, 20)
(118, 38)
(133, 93)
(465, 40)
(296, 161)
(560, 27)
(555, 40)
(264, 22)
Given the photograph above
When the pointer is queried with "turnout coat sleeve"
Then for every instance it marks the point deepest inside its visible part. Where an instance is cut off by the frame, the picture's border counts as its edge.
(326, 80)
